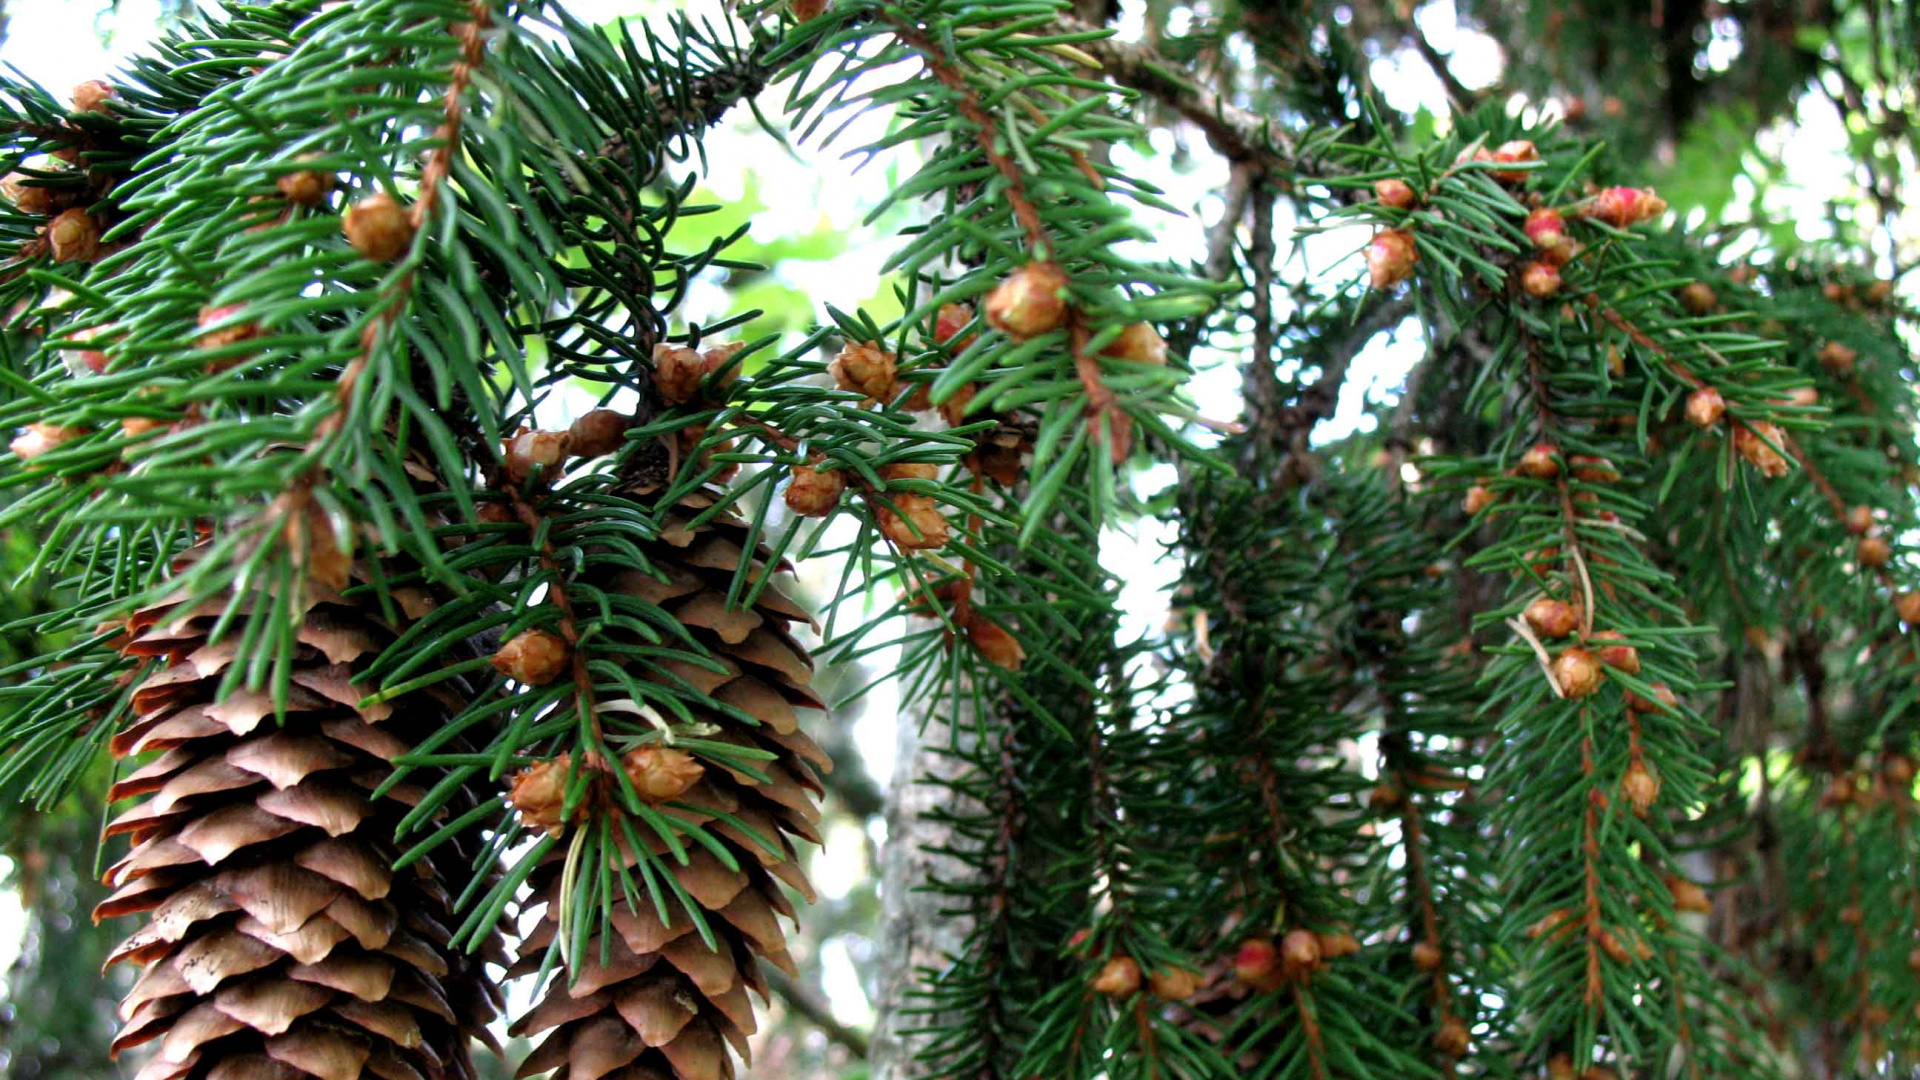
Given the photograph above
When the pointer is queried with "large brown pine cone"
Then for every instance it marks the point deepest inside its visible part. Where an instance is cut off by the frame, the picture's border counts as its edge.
(279, 941)
(664, 1005)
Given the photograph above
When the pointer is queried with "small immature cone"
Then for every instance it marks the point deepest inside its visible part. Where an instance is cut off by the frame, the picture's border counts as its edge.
(812, 493)
(533, 657)
(1256, 961)
(867, 370)
(1874, 552)
(995, 643)
(598, 433)
(1029, 302)
(1175, 984)
(1860, 520)
(308, 187)
(378, 227)
(1699, 298)
(1548, 230)
(918, 524)
(1507, 153)
(1838, 358)
(1391, 258)
(661, 773)
(1616, 654)
(1752, 442)
(1478, 498)
(1578, 673)
(1551, 618)
(1640, 786)
(73, 236)
(40, 438)
(947, 325)
(1452, 1038)
(1540, 280)
(1705, 407)
(1539, 463)
(527, 449)
(1120, 977)
(1394, 192)
(1139, 343)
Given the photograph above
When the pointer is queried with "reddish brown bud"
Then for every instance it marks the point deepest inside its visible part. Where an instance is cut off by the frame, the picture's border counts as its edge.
(545, 449)
(1551, 618)
(1859, 520)
(1577, 673)
(1663, 698)
(1802, 397)
(1752, 441)
(1907, 606)
(1478, 498)
(1385, 797)
(867, 370)
(947, 325)
(661, 773)
(539, 792)
(1257, 960)
(808, 9)
(1699, 298)
(1175, 984)
(1548, 230)
(1594, 470)
(1617, 654)
(1509, 153)
(1688, 897)
(1030, 302)
(917, 525)
(1119, 978)
(378, 228)
(1838, 358)
(1426, 956)
(1391, 258)
(1556, 925)
(598, 433)
(1705, 407)
(812, 493)
(533, 657)
(1873, 552)
(995, 643)
(1338, 944)
(1395, 193)
(1539, 462)
(1451, 1038)
(1540, 280)
(29, 196)
(677, 372)
(92, 96)
(308, 187)
(73, 236)
(1640, 786)
(1139, 343)
(1576, 109)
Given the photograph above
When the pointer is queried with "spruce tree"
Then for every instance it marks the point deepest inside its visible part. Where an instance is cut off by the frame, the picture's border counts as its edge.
(1560, 725)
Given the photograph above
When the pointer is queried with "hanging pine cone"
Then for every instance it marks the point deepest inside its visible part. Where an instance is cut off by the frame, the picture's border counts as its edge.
(663, 1004)
(278, 942)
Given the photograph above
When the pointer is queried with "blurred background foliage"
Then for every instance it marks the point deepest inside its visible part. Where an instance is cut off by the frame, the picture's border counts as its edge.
(1786, 124)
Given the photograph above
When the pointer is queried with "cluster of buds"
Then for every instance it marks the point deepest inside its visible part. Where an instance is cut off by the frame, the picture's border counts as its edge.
(678, 372)
(1394, 193)
(1755, 440)
(1699, 298)
(657, 773)
(914, 522)
(1838, 358)
(379, 228)
(867, 370)
(1030, 302)
(1263, 966)
(1390, 258)
(1548, 232)
(1624, 206)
